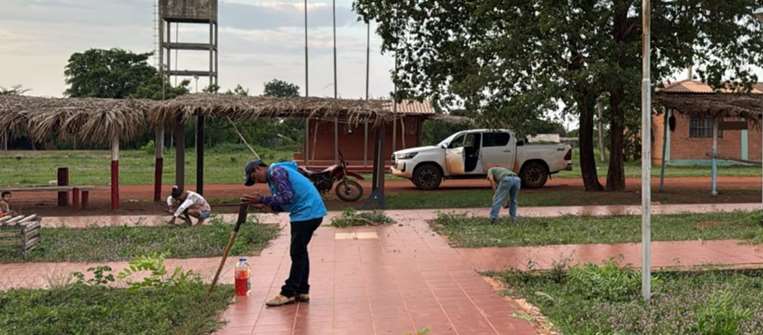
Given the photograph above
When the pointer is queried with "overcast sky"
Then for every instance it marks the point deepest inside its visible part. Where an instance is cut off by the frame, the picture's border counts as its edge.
(259, 40)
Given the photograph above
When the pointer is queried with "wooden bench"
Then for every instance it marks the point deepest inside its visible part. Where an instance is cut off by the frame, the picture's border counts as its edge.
(80, 194)
(21, 232)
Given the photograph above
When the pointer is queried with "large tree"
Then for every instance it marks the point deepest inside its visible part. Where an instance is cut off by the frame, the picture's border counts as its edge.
(116, 73)
(512, 60)
(280, 88)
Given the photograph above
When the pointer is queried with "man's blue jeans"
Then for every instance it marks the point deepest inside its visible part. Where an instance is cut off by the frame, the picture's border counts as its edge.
(507, 190)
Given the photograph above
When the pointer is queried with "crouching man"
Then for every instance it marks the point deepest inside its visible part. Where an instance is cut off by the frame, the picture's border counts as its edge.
(187, 204)
(506, 185)
(293, 193)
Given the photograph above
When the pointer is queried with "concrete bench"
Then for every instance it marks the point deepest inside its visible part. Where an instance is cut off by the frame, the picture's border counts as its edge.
(80, 194)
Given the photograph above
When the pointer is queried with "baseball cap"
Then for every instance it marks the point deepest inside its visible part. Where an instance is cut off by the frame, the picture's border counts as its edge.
(250, 166)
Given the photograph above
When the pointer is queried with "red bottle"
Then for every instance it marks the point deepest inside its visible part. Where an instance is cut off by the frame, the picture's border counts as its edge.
(243, 274)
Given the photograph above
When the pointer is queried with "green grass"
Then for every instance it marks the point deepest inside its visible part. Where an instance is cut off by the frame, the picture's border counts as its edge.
(82, 309)
(124, 243)
(352, 218)
(20, 168)
(606, 300)
(479, 232)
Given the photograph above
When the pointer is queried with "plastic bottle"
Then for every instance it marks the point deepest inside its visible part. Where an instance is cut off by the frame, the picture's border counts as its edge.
(243, 275)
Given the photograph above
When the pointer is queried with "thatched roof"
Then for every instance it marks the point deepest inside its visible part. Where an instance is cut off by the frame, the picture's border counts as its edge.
(85, 119)
(697, 98)
(240, 108)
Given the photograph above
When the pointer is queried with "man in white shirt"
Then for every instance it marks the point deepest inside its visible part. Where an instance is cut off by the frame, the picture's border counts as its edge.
(188, 203)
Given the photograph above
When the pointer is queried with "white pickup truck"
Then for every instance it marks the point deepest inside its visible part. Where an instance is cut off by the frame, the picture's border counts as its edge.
(470, 153)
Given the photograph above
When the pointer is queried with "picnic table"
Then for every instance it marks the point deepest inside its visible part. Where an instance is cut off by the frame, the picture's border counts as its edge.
(80, 194)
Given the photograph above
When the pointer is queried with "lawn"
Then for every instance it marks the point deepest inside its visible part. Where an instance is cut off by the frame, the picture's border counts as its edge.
(606, 300)
(479, 232)
(124, 243)
(222, 166)
(85, 309)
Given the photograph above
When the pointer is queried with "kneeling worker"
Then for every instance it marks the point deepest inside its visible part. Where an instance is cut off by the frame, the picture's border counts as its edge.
(293, 193)
(188, 204)
(506, 185)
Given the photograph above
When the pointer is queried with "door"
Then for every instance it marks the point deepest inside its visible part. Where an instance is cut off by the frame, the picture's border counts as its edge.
(497, 150)
(454, 156)
(472, 145)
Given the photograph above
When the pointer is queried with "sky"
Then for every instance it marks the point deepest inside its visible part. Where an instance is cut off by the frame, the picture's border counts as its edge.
(260, 40)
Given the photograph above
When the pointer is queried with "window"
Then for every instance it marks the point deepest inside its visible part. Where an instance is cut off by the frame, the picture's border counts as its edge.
(495, 139)
(457, 142)
(702, 127)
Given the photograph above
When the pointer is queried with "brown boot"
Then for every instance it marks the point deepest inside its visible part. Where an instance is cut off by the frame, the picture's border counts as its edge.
(280, 300)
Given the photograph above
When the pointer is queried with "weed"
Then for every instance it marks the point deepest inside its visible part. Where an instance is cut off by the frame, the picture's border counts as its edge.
(720, 316)
(352, 218)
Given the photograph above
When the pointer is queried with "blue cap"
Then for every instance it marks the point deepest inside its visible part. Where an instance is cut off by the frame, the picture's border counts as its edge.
(250, 167)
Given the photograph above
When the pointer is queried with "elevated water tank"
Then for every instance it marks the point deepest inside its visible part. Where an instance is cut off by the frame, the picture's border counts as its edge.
(200, 11)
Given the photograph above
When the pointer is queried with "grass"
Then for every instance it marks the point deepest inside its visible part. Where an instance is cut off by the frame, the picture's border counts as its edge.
(606, 300)
(222, 166)
(84, 309)
(478, 232)
(123, 243)
(352, 218)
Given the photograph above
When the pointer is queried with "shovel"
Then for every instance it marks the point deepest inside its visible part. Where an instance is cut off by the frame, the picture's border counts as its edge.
(242, 212)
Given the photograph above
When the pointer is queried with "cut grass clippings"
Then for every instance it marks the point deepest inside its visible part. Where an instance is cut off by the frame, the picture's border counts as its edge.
(124, 243)
(469, 232)
(353, 218)
(606, 300)
(84, 309)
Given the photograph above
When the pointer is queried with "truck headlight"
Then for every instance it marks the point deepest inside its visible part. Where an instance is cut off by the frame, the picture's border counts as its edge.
(409, 155)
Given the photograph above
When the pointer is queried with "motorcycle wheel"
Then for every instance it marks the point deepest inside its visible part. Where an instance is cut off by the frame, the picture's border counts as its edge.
(349, 190)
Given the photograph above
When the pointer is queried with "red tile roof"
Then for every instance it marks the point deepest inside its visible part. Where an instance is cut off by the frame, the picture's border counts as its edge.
(694, 86)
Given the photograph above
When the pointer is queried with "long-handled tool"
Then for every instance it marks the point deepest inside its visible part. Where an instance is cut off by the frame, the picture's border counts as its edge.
(243, 210)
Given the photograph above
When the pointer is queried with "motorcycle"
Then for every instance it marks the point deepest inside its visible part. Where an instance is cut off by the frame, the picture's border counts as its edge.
(347, 188)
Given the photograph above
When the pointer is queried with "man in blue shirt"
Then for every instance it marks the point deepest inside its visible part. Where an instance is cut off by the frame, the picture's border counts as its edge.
(294, 193)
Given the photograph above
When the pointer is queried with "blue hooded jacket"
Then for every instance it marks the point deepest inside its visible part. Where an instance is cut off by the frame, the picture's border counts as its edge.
(307, 203)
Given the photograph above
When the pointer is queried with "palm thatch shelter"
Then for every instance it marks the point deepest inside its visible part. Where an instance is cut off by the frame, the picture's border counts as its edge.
(109, 121)
(725, 109)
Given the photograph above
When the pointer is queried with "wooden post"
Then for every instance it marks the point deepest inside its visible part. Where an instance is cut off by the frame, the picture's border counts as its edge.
(665, 127)
(365, 143)
(715, 158)
(179, 136)
(336, 140)
(115, 173)
(306, 150)
(394, 131)
(376, 201)
(200, 154)
(62, 179)
(159, 163)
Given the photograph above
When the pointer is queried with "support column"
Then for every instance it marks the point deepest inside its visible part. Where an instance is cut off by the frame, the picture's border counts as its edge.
(200, 154)
(159, 164)
(336, 140)
(715, 158)
(115, 173)
(665, 127)
(365, 143)
(376, 200)
(179, 136)
(306, 150)
(744, 142)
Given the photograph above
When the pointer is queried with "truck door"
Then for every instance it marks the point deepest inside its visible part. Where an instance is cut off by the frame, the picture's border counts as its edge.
(455, 156)
(498, 150)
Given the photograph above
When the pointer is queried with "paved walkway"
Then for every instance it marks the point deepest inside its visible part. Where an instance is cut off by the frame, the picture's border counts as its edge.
(420, 214)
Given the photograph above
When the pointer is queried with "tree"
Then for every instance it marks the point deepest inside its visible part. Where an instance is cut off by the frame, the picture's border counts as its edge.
(513, 60)
(112, 73)
(13, 90)
(281, 89)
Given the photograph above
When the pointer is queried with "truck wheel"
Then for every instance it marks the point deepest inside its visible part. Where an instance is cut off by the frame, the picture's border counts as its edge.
(534, 175)
(427, 177)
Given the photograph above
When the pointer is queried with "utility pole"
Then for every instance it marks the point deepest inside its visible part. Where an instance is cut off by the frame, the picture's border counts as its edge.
(646, 154)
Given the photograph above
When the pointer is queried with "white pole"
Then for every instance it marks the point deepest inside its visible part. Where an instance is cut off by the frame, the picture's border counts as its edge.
(646, 156)
(715, 157)
(307, 78)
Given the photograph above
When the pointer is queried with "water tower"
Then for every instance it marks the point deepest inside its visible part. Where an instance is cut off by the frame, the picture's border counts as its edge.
(185, 12)
(195, 12)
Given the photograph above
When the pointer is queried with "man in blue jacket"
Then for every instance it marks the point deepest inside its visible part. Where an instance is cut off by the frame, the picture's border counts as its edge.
(294, 193)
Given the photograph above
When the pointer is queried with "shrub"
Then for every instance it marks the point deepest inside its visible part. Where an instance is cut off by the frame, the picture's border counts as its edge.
(352, 218)
(719, 316)
(607, 282)
(149, 147)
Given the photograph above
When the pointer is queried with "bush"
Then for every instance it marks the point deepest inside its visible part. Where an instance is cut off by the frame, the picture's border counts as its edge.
(352, 218)
(719, 316)
(608, 282)
(149, 147)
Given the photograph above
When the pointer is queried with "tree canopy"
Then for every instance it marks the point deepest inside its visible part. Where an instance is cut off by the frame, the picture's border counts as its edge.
(514, 60)
(280, 88)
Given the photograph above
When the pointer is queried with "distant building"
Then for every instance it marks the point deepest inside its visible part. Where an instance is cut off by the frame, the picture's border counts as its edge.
(690, 138)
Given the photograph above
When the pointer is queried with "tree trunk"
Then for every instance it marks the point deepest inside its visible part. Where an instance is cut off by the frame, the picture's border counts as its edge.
(586, 104)
(616, 171)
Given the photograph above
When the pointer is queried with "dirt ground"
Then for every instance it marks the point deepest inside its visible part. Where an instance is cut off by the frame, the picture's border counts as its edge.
(137, 199)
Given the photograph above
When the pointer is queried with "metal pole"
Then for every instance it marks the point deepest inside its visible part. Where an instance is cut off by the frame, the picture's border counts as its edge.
(307, 78)
(664, 149)
(159, 165)
(333, 16)
(715, 158)
(646, 155)
(179, 154)
(368, 57)
(200, 154)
